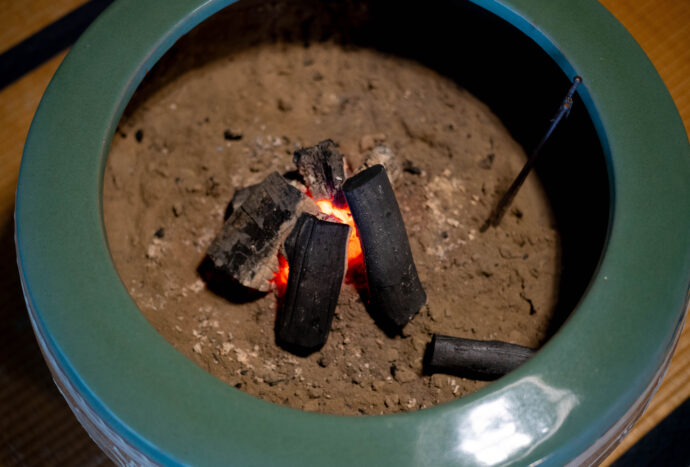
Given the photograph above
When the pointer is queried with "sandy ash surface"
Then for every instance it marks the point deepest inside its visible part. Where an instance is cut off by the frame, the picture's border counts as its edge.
(172, 171)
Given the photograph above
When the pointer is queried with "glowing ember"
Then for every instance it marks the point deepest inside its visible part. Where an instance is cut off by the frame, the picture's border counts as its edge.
(354, 246)
(281, 277)
(355, 260)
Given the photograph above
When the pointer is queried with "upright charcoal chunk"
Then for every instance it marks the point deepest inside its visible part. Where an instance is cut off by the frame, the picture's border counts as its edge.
(316, 253)
(394, 285)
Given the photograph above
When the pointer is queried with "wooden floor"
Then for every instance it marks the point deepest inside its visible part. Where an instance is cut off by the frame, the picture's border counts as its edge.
(36, 427)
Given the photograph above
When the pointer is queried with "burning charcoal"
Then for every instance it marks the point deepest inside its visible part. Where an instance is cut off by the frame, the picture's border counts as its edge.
(262, 216)
(321, 166)
(475, 359)
(241, 195)
(316, 252)
(394, 286)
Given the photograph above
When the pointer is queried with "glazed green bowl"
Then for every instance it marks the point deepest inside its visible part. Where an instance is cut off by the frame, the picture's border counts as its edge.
(144, 402)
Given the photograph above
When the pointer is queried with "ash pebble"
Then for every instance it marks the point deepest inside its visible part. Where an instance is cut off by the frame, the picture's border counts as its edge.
(178, 209)
(284, 105)
(438, 380)
(404, 375)
(325, 359)
(392, 400)
(230, 135)
(378, 385)
(410, 168)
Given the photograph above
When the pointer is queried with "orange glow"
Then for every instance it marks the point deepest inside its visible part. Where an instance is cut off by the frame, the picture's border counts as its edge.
(354, 246)
(355, 258)
(280, 279)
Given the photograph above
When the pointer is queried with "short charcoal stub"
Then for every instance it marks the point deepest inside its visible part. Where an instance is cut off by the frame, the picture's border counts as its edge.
(394, 285)
(316, 253)
(474, 359)
(323, 170)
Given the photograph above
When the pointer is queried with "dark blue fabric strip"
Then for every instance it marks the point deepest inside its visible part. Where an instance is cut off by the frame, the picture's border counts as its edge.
(35, 50)
(667, 444)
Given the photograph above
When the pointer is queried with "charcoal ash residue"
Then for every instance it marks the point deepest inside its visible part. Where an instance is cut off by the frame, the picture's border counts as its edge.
(498, 285)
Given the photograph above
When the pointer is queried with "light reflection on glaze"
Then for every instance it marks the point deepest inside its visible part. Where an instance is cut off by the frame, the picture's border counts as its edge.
(500, 428)
(493, 431)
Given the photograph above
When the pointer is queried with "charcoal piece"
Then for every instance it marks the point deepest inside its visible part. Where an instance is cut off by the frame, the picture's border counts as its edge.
(316, 252)
(262, 216)
(394, 286)
(322, 168)
(241, 195)
(474, 359)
